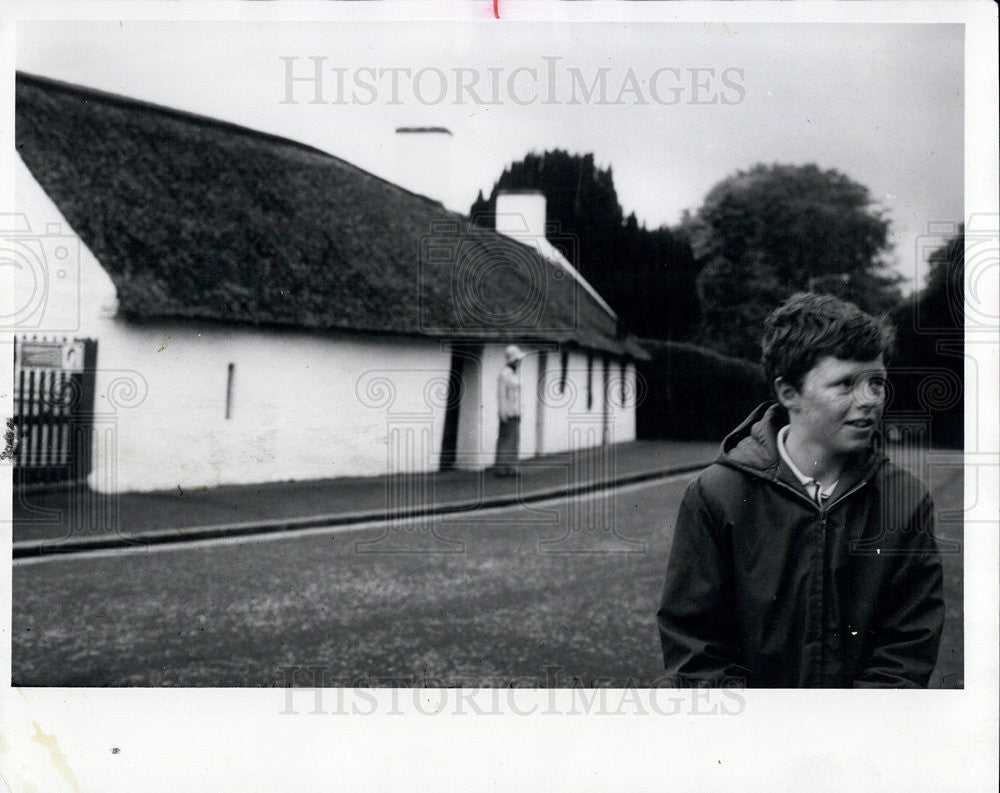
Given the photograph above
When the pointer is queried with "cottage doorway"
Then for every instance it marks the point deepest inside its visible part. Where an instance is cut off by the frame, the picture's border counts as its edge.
(606, 402)
(462, 407)
(540, 403)
(449, 442)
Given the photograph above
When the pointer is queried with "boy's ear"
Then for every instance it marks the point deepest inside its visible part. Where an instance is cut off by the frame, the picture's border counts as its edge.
(788, 395)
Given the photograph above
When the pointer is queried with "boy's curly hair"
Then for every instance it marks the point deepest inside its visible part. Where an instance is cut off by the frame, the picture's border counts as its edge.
(808, 326)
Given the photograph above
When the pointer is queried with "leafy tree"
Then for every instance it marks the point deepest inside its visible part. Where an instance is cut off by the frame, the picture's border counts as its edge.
(646, 276)
(763, 234)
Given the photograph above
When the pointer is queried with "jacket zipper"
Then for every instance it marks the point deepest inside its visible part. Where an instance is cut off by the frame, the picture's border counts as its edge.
(852, 491)
(822, 601)
(824, 512)
(818, 673)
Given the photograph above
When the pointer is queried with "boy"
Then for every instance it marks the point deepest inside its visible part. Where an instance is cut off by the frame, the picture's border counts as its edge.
(803, 557)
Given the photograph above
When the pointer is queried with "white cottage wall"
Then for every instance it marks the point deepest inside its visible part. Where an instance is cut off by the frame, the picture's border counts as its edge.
(625, 410)
(472, 446)
(565, 420)
(529, 402)
(303, 406)
(569, 424)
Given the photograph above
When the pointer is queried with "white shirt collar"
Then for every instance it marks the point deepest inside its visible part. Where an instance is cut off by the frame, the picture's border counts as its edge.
(812, 486)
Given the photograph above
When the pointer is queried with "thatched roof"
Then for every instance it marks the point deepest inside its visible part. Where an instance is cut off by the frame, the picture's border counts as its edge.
(195, 218)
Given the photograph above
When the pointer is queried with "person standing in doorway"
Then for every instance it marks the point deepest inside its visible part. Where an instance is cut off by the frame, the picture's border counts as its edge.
(509, 407)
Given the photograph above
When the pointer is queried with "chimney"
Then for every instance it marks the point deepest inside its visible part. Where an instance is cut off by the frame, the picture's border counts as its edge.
(424, 163)
(521, 214)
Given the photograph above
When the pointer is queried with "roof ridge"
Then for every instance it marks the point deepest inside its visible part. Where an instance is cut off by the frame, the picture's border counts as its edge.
(185, 115)
(130, 102)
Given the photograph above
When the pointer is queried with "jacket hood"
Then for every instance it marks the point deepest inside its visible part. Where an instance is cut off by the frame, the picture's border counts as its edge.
(753, 448)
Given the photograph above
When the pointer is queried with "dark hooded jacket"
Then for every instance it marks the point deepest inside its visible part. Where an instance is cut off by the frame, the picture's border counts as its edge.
(766, 588)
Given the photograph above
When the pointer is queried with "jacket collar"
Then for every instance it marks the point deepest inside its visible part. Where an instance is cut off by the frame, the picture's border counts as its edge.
(753, 448)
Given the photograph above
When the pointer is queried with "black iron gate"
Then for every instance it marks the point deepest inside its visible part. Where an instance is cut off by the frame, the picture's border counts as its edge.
(53, 408)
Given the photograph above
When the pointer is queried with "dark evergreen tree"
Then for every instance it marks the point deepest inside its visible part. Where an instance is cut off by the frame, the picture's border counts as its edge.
(647, 277)
(927, 374)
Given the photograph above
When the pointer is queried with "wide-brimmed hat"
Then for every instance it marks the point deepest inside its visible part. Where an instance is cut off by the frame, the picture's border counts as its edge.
(513, 353)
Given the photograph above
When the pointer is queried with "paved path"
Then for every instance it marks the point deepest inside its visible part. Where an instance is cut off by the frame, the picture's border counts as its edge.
(57, 521)
(551, 595)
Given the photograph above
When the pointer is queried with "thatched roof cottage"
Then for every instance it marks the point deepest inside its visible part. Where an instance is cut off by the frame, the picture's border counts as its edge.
(266, 311)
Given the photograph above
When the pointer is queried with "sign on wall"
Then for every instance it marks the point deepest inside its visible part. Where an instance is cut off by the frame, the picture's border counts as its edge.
(51, 354)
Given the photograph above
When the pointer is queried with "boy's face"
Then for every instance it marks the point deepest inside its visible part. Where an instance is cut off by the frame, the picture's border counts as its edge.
(839, 404)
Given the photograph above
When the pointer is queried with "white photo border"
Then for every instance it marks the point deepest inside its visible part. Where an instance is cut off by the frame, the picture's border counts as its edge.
(204, 739)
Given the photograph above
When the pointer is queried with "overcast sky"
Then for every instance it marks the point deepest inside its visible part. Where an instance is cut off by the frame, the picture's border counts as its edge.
(881, 103)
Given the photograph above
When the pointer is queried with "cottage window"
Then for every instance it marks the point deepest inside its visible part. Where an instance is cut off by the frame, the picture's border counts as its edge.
(590, 382)
(564, 363)
(229, 391)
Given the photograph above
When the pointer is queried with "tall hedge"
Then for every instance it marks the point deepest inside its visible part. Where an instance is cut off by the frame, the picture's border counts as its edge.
(692, 393)
(927, 375)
